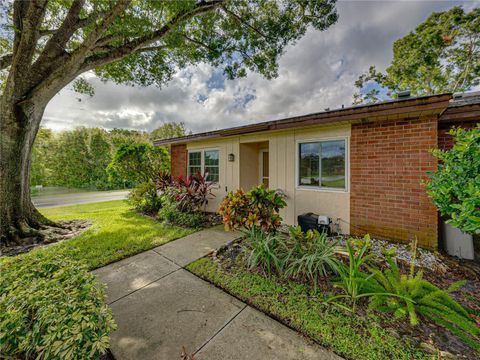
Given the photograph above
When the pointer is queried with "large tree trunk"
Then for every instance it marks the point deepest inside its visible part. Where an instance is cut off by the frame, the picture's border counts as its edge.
(19, 123)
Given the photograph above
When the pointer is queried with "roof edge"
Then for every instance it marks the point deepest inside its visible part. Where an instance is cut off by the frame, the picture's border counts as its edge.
(320, 118)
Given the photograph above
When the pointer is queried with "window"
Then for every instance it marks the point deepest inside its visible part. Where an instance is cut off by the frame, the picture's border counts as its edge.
(194, 163)
(322, 164)
(211, 164)
(204, 161)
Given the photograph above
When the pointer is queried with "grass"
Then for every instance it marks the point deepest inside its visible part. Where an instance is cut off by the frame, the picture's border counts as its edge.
(347, 335)
(117, 232)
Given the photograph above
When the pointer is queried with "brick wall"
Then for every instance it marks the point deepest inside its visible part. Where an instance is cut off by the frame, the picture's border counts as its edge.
(178, 155)
(388, 161)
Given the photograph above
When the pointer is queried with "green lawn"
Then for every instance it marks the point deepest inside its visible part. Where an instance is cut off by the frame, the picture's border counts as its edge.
(117, 232)
(348, 335)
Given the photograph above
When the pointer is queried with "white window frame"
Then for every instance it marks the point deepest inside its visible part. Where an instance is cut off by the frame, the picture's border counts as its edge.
(202, 160)
(319, 187)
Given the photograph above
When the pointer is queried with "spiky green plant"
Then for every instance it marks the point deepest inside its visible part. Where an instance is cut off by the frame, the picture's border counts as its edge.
(312, 255)
(410, 295)
(266, 250)
(355, 283)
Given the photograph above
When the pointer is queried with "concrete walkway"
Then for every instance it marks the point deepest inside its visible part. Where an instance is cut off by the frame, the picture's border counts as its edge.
(161, 308)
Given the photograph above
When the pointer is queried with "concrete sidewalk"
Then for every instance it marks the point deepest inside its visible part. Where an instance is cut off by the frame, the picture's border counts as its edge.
(161, 308)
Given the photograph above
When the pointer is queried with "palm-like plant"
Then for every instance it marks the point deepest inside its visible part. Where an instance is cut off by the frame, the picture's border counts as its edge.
(355, 283)
(407, 295)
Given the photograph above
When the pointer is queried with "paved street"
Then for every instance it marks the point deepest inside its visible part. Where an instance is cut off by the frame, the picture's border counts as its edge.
(74, 198)
(160, 308)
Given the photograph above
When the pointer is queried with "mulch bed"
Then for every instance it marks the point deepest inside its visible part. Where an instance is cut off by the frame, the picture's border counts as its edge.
(429, 336)
(49, 235)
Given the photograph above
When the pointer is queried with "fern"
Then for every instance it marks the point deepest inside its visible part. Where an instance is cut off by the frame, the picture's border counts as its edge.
(411, 295)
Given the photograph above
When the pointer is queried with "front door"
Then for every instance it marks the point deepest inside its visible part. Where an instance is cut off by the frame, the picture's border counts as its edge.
(264, 168)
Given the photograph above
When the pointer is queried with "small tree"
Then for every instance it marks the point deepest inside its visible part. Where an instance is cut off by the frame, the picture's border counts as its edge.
(455, 187)
(139, 163)
(142, 165)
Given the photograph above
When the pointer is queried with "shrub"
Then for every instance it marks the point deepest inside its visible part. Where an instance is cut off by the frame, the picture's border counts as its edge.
(312, 255)
(145, 198)
(266, 250)
(455, 187)
(407, 295)
(193, 192)
(170, 213)
(51, 308)
(259, 207)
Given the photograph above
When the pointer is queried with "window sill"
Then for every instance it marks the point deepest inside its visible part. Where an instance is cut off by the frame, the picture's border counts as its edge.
(320, 189)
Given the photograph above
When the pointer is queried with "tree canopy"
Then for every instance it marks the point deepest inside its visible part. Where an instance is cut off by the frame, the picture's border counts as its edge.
(145, 42)
(441, 55)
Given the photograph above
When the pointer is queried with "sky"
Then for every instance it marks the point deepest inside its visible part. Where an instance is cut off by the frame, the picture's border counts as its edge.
(317, 72)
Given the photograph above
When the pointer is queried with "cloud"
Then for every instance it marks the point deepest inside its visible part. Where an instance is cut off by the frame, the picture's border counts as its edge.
(317, 72)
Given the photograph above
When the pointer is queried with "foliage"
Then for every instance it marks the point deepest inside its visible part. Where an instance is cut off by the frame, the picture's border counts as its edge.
(139, 163)
(312, 255)
(78, 158)
(170, 213)
(42, 155)
(441, 55)
(116, 233)
(193, 192)
(407, 295)
(145, 198)
(295, 305)
(266, 250)
(169, 130)
(258, 207)
(455, 187)
(352, 280)
(51, 308)
(131, 44)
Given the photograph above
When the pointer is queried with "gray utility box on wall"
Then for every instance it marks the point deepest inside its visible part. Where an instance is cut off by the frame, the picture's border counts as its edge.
(457, 243)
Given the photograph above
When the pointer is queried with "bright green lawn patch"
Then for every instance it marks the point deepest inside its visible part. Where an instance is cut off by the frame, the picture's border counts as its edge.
(117, 232)
(346, 334)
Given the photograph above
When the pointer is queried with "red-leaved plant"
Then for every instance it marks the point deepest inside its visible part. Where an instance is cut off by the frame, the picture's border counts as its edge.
(194, 192)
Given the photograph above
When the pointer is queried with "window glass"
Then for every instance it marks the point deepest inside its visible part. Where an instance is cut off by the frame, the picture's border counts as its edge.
(322, 164)
(309, 164)
(212, 165)
(333, 164)
(194, 163)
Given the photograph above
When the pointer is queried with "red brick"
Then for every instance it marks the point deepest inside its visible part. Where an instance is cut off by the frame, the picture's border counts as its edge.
(388, 162)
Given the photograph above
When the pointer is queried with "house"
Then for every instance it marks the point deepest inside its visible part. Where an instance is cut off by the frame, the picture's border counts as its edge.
(362, 166)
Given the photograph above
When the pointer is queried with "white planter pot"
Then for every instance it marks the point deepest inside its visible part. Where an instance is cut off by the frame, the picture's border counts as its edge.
(457, 243)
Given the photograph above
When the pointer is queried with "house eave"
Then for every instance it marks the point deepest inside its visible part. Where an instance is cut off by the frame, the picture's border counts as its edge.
(388, 110)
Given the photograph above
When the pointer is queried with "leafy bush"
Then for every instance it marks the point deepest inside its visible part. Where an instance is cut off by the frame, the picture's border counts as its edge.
(169, 212)
(258, 207)
(139, 163)
(266, 250)
(193, 192)
(455, 187)
(410, 294)
(145, 198)
(51, 308)
(312, 255)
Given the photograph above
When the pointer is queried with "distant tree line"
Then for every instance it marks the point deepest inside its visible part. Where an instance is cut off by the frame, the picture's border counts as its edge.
(79, 158)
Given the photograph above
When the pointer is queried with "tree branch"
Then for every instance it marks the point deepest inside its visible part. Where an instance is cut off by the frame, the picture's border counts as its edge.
(116, 53)
(242, 21)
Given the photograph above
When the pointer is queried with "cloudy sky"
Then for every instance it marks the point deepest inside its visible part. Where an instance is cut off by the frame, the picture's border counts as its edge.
(317, 72)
